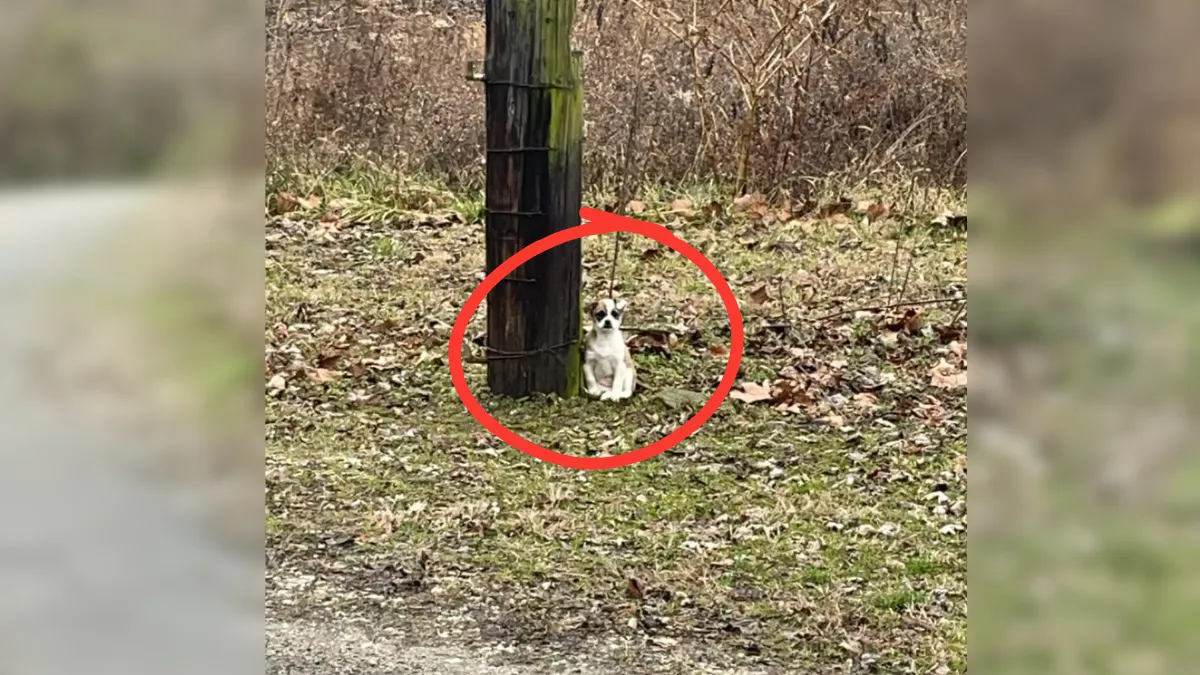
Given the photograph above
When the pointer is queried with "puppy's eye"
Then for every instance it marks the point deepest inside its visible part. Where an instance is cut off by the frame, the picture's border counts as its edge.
(616, 314)
(599, 316)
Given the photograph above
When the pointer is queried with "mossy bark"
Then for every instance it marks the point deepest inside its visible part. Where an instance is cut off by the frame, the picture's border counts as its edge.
(535, 150)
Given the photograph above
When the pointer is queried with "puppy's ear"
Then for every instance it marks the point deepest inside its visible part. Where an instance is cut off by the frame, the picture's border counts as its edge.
(621, 305)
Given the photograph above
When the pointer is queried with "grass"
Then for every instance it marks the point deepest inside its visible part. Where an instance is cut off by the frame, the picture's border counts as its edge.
(826, 532)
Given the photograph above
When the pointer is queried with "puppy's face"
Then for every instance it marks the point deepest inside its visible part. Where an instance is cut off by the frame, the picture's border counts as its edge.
(607, 314)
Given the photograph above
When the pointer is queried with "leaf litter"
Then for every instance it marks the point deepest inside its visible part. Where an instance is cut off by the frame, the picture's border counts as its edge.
(728, 537)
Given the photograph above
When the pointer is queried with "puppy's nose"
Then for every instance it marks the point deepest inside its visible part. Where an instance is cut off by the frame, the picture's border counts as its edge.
(607, 323)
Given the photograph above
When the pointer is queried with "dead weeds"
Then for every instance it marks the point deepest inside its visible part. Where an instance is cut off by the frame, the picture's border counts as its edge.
(817, 520)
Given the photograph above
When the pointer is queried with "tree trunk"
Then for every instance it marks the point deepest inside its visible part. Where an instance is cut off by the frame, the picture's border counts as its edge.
(534, 156)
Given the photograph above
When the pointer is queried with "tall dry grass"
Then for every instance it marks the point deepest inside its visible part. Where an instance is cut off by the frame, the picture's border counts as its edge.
(758, 94)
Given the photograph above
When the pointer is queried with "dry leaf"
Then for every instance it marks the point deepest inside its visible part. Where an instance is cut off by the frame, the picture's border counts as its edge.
(633, 589)
(718, 350)
(651, 341)
(682, 206)
(760, 295)
(946, 375)
(865, 400)
(329, 360)
(283, 203)
(635, 207)
(752, 392)
(958, 349)
(876, 211)
(714, 210)
(652, 253)
(909, 323)
(278, 383)
(323, 375)
(793, 393)
(745, 202)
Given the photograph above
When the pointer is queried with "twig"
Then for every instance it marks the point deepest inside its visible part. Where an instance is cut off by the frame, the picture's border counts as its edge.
(880, 308)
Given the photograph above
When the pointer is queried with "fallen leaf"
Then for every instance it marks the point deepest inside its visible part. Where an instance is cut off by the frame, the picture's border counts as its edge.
(651, 341)
(752, 392)
(283, 202)
(958, 349)
(760, 295)
(323, 375)
(762, 212)
(652, 253)
(718, 350)
(714, 210)
(746, 202)
(909, 323)
(792, 392)
(633, 589)
(682, 207)
(876, 211)
(865, 400)
(329, 360)
(278, 382)
(946, 375)
(635, 207)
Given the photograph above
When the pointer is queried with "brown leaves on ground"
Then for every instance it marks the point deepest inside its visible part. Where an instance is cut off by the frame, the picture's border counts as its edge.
(951, 373)
(652, 341)
(356, 346)
(760, 295)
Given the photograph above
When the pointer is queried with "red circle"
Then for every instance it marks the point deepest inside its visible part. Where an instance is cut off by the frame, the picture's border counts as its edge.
(599, 222)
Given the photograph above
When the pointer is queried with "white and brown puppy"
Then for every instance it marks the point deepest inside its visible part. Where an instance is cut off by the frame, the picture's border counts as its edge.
(607, 366)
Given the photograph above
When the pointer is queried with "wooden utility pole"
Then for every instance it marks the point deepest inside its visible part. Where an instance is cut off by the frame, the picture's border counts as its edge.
(534, 151)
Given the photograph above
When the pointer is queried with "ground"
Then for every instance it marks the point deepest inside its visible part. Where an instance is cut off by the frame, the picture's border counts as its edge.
(815, 524)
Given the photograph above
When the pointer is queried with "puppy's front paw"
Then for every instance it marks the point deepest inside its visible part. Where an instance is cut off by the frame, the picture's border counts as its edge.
(608, 395)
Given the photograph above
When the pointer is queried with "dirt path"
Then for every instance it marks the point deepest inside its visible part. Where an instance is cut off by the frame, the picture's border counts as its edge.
(354, 646)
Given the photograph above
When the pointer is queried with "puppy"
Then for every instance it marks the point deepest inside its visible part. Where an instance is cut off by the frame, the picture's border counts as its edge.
(608, 368)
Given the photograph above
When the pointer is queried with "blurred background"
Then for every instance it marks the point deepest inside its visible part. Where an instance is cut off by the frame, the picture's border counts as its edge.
(1085, 484)
(130, 423)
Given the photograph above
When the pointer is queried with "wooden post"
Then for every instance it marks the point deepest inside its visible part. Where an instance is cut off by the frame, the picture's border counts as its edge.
(534, 154)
